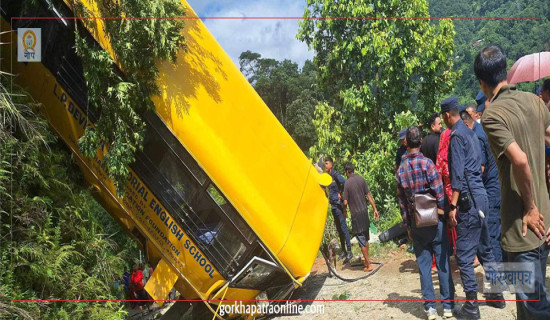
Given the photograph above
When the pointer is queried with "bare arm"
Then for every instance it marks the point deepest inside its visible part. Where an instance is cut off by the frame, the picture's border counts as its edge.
(345, 208)
(371, 200)
(532, 218)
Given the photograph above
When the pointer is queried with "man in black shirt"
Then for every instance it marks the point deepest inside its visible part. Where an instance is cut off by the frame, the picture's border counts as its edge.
(430, 144)
(356, 191)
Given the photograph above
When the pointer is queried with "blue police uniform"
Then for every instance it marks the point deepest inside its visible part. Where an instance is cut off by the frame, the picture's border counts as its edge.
(492, 186)
(465, 169)
(336, 187)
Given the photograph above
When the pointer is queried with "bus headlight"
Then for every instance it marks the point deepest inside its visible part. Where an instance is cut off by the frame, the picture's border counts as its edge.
(261, 299)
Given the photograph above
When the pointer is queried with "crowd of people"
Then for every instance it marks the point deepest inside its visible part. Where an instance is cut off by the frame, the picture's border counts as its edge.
(484, 172)
(484, 177)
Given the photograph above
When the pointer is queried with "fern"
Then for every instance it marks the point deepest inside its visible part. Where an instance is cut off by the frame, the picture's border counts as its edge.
(61, 249)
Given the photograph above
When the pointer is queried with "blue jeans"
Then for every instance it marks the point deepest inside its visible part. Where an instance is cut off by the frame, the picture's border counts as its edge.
(472, 238)
(540, 308)
(341, 227)
(428, 241)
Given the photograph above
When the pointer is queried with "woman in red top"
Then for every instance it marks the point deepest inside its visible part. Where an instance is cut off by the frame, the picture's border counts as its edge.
(137, 286)
(442, 165)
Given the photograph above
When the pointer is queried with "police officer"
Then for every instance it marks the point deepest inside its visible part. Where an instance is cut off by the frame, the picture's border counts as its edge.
(492, 186)
(336, 188)
(469, 198)
(482, 102)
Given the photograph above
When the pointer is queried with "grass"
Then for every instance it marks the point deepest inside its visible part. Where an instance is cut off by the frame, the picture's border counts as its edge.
(342, 296)
(376, 250)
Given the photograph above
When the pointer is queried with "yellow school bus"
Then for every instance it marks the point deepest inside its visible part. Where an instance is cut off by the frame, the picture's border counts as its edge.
(221, 199)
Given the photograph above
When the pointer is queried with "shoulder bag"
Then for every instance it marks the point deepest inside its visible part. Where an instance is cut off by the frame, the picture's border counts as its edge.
(425, 207)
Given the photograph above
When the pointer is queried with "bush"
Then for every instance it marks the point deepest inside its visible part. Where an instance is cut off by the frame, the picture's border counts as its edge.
(62, 244)
(376, 165)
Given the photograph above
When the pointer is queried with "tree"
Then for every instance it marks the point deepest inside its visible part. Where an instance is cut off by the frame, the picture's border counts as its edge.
(518, 37)
(370, 72)
(290, 93)
(279, 88)
(373, 68)
(300, 119)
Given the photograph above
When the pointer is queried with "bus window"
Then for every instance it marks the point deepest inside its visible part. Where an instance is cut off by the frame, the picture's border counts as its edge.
(197, 205)
(153, 121)
(231, 213)
(181, 183)
(215, 194)
(260, 274)
(216, 231)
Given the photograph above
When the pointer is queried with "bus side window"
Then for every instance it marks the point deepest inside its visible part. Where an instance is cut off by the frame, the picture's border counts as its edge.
(231, 213)
(208, 216)
(181, 184)
(175, 147)
(222, 230)
(185, 197)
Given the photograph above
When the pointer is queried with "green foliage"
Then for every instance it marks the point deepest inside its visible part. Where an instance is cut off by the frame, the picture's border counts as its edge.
(371, 69)
(328, 122)
(288, 92)
(342, 296)
(63, 243)
(299, 115)
(518, 37)
(378, 76)
(138, 45)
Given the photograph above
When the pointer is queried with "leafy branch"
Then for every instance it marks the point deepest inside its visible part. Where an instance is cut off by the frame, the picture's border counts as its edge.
(122, 98)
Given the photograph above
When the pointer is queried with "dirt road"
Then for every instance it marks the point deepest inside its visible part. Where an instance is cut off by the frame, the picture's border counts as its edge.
(398, 279)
